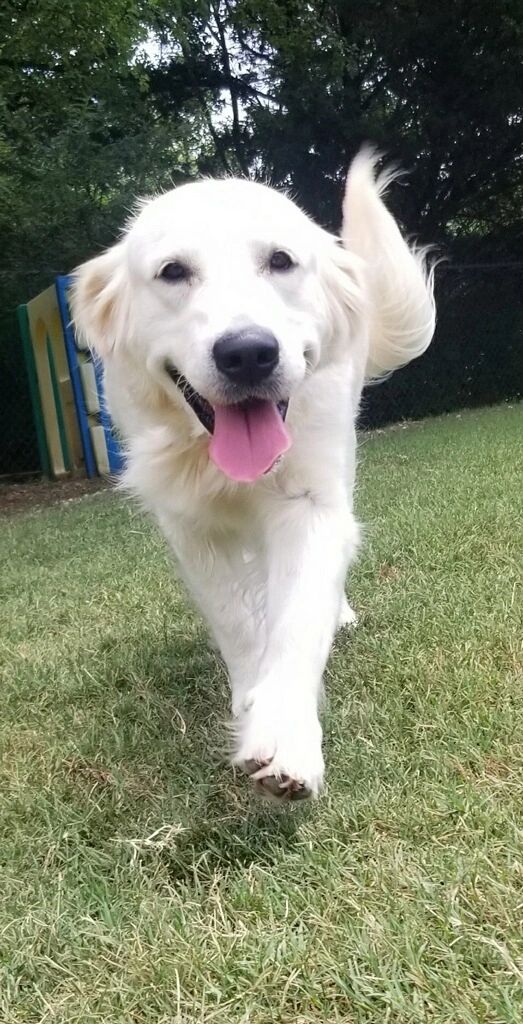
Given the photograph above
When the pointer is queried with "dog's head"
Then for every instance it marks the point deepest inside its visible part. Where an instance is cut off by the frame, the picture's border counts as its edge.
(227, 296)
(222, 290)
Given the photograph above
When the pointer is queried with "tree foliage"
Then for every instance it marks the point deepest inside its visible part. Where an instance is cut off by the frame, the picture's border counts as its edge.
(99, 103)
(437, 86)
(79, 134)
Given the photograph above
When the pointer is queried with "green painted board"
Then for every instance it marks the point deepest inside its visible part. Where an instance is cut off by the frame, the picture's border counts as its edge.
(34, 391)
(58, 405)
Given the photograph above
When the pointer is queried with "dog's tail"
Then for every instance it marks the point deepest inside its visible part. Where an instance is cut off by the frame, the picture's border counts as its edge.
(399, 284)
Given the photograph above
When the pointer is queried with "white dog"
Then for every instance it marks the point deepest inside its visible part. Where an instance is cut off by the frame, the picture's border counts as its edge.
(236, 337)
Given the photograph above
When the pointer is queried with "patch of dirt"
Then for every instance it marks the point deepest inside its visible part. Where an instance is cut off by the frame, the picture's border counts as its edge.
(36, 492)
(94, 774)
(387, 571)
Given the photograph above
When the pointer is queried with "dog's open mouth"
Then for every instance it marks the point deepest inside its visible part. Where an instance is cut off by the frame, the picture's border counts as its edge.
(247, 438)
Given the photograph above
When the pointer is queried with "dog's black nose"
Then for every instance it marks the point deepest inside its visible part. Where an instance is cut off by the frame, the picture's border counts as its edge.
(247, 356)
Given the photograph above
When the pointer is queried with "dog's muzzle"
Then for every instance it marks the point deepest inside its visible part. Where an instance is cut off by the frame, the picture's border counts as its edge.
(247, 437)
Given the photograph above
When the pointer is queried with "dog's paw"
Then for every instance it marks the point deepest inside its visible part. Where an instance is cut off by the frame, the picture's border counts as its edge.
(348, 618)
(280, 748)
(276, 787)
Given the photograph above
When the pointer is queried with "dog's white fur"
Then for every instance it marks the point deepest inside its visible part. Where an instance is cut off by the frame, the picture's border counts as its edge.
(266, 562)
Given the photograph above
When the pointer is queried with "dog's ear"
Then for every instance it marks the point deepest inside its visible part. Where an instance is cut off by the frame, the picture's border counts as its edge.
(100, 301)
(398, 286)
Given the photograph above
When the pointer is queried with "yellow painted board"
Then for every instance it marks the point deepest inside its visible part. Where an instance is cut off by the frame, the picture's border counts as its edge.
(61, 426)
(92, 402)
(100, 449)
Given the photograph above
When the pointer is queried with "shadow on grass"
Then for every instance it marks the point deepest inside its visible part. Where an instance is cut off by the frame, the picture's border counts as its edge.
(220, 843)
(168, 702)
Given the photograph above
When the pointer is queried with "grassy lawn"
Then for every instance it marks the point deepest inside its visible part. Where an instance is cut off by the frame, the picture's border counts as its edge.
(141, 882)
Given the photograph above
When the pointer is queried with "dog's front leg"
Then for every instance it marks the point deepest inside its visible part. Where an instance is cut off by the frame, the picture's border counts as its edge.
(227, 584)
(309, 546)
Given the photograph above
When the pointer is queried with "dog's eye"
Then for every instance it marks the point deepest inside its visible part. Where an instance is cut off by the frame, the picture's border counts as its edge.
(175, 271)
(280, 260)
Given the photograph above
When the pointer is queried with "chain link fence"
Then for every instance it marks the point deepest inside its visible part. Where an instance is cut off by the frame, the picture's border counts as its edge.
(18, 447)
(476, 358)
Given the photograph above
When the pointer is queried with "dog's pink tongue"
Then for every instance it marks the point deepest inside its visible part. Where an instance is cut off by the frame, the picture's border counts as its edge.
(247, 439)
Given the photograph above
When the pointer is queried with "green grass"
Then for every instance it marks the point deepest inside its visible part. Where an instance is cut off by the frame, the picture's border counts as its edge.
(141, 881)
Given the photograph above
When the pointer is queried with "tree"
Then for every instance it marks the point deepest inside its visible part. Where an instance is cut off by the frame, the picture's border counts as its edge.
(80, 138)
(437, 86)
